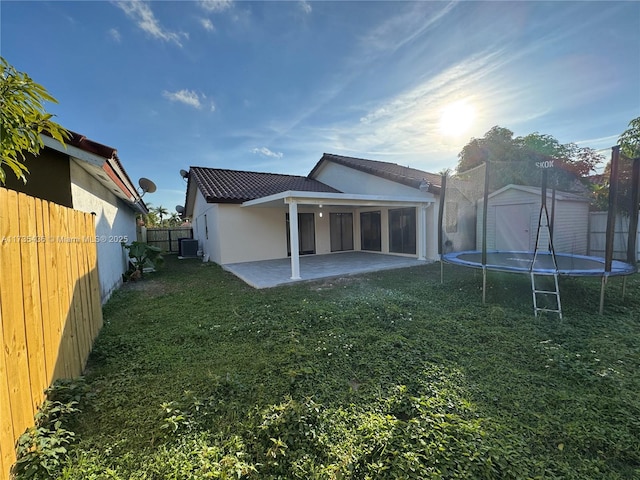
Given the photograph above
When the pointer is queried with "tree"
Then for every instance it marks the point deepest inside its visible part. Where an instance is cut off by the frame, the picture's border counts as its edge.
(160, 211)
(514, 160)
(629, 141)
(174, 220)
(149, 219)
(497, 144)
(23, 119)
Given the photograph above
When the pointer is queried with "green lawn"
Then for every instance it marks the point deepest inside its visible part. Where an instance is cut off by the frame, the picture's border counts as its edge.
(387, 375)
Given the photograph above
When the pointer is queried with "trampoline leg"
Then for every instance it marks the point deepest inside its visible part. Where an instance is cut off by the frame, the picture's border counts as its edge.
(484, 285)
(441, 271)
(624, 286)
(602, 286)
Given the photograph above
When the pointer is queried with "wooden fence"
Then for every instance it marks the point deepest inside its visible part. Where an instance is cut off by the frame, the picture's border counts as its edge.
(50, 309)
(167, 238)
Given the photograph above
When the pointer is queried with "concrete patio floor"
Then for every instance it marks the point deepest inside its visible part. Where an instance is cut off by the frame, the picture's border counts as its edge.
(271, 273)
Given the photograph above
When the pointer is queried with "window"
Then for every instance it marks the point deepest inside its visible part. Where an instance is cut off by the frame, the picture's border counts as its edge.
(402, 230)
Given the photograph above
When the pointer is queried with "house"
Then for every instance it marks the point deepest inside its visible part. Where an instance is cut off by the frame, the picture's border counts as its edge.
(512, 220)
(344, 204)
(89, 177)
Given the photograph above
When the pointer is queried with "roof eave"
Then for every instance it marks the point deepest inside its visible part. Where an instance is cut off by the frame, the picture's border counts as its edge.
(112, 167)
(329, 198)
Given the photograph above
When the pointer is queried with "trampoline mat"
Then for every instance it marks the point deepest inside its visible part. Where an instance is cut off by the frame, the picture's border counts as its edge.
(520, 262)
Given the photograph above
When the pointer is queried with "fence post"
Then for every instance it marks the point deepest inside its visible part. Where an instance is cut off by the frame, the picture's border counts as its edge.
(632, 250)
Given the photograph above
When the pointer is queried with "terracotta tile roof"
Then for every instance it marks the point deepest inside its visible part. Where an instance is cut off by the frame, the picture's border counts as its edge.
(411, 177)
(236, 186)
(80, 141)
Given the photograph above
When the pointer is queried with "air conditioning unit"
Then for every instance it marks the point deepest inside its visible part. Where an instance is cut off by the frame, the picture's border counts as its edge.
(187, 247)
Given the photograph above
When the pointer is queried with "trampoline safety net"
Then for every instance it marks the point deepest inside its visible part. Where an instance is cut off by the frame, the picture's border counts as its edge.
(527, 201)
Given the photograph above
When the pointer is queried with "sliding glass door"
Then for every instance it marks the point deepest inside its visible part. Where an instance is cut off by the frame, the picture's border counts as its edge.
(402, 230)
(306, 234)
(370, 231)
(341, 231)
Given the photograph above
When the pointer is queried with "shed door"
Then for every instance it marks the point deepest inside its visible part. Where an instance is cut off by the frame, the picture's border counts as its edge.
(513, 223)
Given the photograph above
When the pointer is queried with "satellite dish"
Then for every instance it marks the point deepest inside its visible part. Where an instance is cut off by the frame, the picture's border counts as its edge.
(146, 185)
(180, 209)
(184, 173)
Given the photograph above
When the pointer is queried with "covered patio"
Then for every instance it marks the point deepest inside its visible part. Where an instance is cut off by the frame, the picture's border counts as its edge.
(327, 266)
(271, 273)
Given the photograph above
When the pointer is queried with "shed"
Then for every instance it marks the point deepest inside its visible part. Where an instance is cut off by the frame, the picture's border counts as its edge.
(512, 220)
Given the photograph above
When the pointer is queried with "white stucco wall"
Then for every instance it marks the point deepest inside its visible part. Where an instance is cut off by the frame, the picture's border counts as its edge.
(115, 222)
(242, 234)
(349, 180)
(251, 234)
(432, 231)
(205, 227)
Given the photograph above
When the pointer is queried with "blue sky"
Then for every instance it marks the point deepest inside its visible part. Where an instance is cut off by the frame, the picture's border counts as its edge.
(270, 86)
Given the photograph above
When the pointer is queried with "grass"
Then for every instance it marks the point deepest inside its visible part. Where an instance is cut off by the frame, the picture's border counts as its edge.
(386, 375)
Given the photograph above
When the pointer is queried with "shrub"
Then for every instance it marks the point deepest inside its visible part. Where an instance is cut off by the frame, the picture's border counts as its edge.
(41, 449)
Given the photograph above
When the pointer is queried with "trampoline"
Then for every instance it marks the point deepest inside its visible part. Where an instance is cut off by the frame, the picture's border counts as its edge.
(486, 220)
(521, 262)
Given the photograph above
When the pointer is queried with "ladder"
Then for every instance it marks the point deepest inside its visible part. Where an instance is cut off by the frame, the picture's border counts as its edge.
(537, 291)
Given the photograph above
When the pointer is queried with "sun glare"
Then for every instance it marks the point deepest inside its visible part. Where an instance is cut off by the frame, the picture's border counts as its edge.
(457, 118)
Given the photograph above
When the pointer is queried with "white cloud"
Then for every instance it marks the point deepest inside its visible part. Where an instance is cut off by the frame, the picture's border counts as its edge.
(142, 14)
(404, 126)
(305, 6)
(401, 29)
(216, 5)
(115, 35)
(425, 99)
(207, 24)
(264, 151)
(188, 97)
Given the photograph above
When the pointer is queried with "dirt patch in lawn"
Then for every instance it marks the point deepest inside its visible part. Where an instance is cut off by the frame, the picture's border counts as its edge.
(337, 282)
(150, 286)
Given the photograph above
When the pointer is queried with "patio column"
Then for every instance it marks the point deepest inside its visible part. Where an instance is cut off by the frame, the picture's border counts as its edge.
(436, 228)
(422, 232)
(293, 240)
